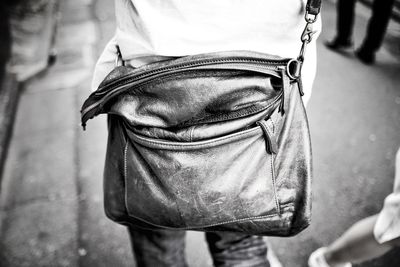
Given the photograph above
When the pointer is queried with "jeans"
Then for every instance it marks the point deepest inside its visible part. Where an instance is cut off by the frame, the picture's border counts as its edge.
(165, 248)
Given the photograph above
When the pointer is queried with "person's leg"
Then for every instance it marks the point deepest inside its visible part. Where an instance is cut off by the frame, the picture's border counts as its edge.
(161, 248)
(357, 244)
(344, 25)
(345, 20)
(381, 11)
(237, 250)
(5, 40)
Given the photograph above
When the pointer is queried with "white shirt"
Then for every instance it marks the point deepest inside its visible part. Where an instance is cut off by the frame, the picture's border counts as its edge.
(148, 29)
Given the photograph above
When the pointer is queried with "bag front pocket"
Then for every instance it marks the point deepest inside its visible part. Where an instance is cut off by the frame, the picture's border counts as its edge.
(188, 185)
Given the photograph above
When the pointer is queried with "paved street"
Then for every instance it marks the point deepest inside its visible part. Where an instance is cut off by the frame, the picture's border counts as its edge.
(51, 210)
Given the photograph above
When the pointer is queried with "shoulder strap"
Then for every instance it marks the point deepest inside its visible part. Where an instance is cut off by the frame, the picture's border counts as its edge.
(313, 8)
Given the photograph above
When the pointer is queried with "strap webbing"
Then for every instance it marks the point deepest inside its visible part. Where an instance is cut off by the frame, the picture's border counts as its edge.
(313, 7)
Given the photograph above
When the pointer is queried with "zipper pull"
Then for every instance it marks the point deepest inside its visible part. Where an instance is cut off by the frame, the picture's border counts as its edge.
(281, 105)
(118, 59)
(300, 84)
(284, 105)
(270, 141)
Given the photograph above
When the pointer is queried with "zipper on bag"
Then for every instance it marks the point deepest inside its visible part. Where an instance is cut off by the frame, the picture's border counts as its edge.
(274, 68)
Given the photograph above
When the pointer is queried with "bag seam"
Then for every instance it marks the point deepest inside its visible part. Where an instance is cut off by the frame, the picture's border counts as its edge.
(277, 205)
(126, 173)
(163, 144)
(273, 175)
(273, 124)
(289, 205)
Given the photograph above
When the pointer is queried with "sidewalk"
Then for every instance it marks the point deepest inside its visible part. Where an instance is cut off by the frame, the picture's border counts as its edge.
(51, 210)
(42, 197)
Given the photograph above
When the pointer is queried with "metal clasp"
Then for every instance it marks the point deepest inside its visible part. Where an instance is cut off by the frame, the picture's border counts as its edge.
(310, 18)
(306, 38)
(307, 34)
(293, 69)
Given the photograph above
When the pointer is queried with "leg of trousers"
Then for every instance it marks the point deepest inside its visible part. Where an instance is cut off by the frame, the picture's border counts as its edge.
(239, 250)
(164, 248)
(345, 20)
(381, 11)
(161, 248)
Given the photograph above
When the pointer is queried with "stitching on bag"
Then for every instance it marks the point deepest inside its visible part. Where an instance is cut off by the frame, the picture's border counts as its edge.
(289, 205)
(160, 144)
(278, 208)
(234, 221)
(273, 125)
(125, 161)
(126, 174)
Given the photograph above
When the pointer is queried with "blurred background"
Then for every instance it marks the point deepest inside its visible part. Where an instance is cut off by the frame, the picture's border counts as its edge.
(51, 210)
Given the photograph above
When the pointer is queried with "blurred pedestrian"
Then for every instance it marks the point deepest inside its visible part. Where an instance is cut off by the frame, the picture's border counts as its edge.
(368, 238)
(154, 30)
(5, 40)
(381, 12)
(6, 6)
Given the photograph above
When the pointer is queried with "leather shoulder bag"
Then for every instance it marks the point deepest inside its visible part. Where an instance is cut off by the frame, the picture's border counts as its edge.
(209, 142)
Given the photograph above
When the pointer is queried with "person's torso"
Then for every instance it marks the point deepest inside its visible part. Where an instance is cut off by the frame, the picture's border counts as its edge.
(154, 30)
(183, 27)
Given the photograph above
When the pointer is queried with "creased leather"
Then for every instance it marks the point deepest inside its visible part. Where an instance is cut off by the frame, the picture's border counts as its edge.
(186, 151)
